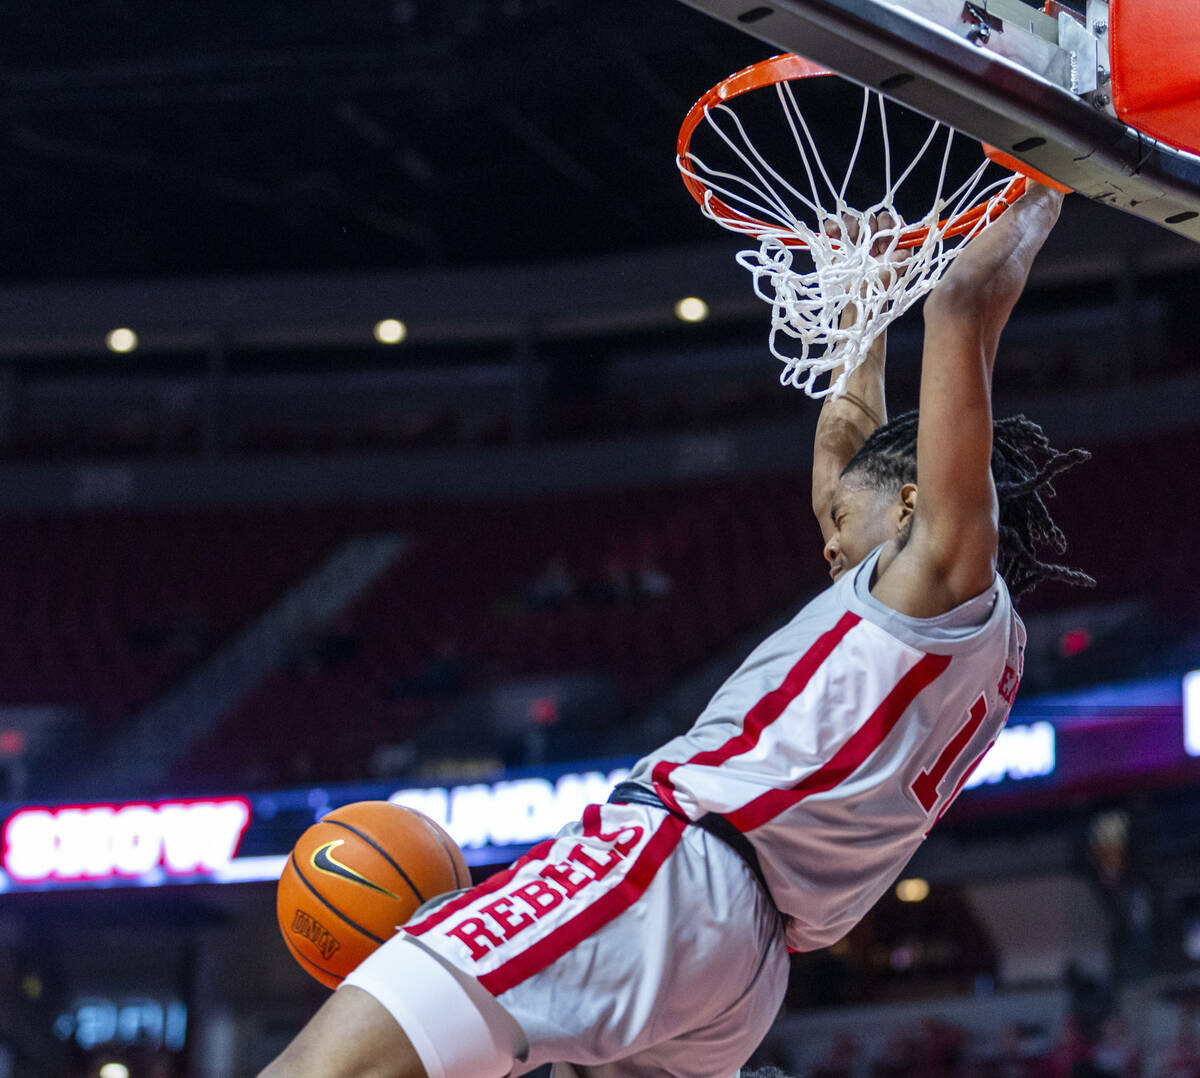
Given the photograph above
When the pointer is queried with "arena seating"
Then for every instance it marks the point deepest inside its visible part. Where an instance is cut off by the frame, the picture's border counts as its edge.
(731, 552)
(736, 552)
(1131, 519)
(106, 610)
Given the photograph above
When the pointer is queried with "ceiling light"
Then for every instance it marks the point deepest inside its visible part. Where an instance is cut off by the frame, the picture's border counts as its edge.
(121, 340)
(912, 890)
(390, 331)
(691, 309)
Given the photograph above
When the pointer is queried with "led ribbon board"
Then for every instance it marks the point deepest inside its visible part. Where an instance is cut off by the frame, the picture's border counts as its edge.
(1191, 713)
(143, 843)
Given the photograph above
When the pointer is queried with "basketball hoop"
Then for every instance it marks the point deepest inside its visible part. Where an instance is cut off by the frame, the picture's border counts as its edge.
(865, 280)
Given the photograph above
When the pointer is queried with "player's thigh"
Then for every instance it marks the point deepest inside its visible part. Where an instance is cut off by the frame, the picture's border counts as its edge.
(351, 1036)
(695, 968)
(629, 931)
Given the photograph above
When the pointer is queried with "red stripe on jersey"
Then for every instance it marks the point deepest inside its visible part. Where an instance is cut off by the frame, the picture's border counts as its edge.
(926, 784)
(492, 883)
(594, 917)
(960, 784)
(762, 714)
(591, 820)
(851, 756)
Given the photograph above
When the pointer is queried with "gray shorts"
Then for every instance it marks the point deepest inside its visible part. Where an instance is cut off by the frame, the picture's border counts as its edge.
(633, 944)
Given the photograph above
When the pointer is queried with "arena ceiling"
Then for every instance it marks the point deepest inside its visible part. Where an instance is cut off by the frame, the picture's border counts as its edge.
(221, 137)
(138, 138)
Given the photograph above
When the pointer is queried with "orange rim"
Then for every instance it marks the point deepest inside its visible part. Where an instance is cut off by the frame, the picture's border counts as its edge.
(788, 67)
(1013, 165)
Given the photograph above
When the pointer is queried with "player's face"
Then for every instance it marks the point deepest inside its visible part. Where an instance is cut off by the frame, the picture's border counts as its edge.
(863, 517)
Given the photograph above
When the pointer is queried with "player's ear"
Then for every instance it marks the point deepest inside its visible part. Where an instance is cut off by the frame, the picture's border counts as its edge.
(906, 504)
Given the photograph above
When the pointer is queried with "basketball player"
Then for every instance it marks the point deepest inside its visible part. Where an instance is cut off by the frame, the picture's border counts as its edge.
(651, 937)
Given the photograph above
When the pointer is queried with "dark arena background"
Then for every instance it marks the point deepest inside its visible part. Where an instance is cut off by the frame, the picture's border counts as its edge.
(354, 444)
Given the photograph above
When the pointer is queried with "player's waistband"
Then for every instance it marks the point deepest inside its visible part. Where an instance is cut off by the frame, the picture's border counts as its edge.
(632, 793)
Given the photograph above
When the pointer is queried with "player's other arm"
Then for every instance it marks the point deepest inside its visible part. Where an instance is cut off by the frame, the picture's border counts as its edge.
(845, 423)
(951, 552)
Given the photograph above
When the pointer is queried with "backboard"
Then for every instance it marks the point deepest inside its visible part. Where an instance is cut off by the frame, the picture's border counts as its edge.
(1032, 83)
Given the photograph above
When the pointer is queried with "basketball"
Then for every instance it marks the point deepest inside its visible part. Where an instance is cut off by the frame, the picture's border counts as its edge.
(354, 877)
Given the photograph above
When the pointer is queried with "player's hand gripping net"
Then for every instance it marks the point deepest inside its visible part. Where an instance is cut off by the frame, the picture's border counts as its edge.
(868, 267)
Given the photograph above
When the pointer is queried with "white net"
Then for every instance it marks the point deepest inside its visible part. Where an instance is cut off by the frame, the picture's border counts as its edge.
(868, 267)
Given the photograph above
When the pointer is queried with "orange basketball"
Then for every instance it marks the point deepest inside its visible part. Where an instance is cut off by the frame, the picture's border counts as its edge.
(355, 876)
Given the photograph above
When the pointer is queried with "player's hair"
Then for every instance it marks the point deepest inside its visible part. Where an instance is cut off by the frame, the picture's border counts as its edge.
(1023, 464)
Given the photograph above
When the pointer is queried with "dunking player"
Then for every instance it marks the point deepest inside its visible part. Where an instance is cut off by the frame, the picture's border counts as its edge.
(651, 937)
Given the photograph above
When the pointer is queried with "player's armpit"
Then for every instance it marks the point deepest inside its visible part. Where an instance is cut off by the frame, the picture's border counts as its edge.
(351, 1036)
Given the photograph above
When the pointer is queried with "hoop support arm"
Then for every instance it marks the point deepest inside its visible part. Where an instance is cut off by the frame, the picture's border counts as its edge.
(917, 63)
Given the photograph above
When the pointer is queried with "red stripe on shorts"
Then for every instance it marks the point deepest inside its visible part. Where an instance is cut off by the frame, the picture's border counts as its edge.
(864, 741)
(492, 883)
(763, 713)
(594, 917)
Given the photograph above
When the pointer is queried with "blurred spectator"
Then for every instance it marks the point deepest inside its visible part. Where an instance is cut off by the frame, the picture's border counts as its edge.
(652, 581)
(1117, 1056)
(901, 1060)
(615, 583)
(1073, 1056)
(552, 587)
(320, 648)
(843, 1053)
(444, 675)
(183, 635)
(939, 1049)
(1184, 1061)
(1091, 1001)
(1016, 1057)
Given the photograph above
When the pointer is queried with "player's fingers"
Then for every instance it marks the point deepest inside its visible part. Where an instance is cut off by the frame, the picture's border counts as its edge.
(845, 226)
(832, 228)
(891, 227)
(884, 225)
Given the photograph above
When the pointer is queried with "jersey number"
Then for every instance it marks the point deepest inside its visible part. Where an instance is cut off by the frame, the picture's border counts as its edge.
(925, 785)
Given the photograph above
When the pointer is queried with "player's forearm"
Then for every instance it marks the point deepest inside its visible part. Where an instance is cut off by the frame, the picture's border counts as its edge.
(963, 319)
(987, 277)
(848, 419)
(846, 422)
(863, 407)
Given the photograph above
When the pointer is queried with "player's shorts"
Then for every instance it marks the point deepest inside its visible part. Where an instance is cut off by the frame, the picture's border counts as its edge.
(633, 944)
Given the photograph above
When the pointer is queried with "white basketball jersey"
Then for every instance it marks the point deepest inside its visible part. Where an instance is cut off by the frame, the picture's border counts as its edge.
(841, 740)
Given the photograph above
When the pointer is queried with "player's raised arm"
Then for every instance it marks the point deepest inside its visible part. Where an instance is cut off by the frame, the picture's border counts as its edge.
(950, 554)
(843, 425)
(847, 421)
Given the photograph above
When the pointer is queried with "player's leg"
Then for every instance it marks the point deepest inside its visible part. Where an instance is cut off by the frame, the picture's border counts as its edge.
(351, 1036)
(572, 954)
(405, 1013)
(632, 945)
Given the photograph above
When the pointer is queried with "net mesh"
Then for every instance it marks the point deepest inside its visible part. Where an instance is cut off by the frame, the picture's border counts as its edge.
(867, 266)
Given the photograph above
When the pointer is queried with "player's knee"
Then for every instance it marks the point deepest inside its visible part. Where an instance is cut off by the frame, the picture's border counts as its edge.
(351, 1036)
(298, 1061)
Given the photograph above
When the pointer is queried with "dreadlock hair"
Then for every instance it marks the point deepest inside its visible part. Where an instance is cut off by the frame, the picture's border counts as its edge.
(1023, 464)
